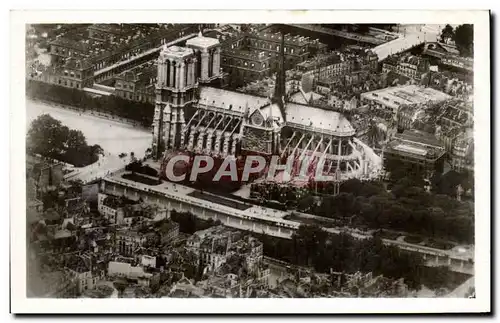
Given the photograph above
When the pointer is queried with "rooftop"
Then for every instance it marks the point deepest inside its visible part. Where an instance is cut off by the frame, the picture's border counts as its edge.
(176, 51)
(404, 95)
(143, 74)
(299, 114)
(289, 39)
(78, 44)
(202, 42)
(139, 210)
(304, 97)
(420, 137)
(265, 87)
(333, 57)
(248, 54)
(117, 201)
(230, 100)
(79, 263)
(168, 225)
(118, 29)
(307, 116)
(417, 144)
(77, 64)
(127, 36)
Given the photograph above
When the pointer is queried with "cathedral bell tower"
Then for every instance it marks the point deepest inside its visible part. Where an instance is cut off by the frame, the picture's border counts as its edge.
(207, 51)
(177, 83)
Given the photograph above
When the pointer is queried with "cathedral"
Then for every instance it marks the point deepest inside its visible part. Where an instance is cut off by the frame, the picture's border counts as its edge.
(193, 114)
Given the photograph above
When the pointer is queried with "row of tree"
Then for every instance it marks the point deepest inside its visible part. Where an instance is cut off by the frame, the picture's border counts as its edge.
(406, 208)
(115, 106)
(50, 138)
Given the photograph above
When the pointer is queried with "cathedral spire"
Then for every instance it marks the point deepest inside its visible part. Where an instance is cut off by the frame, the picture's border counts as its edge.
(279, 87)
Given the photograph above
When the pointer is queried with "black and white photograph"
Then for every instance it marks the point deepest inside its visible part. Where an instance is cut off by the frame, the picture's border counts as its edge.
(174, 160)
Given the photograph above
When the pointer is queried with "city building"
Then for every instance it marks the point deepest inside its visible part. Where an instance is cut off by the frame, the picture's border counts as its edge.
(416, 148)
(225, 284)
(456, 113)
(126, 270)
(411, 66)
(138, 83)
(107, 44)
(328, 67)
(245, 66)
(85, 272)
(254, 55)
(451, 121)
(111, 207)
(465, 64)
(451, 83)
(72, 73)
(169, 230)
(65, 47)
(214, 246)
(265, 87)
(128, 241)
(126, 212)
(462, 154)
(408, 114)
(296, 48)
(392, 98)
(46, 174)
(92, 54)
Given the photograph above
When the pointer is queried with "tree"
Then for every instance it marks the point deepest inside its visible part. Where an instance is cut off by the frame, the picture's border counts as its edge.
(306, 204)
(353, 186)
(344, 204)
(49, 138)
(464, 39)
(76, 145)
(447, 33)
(120, 285)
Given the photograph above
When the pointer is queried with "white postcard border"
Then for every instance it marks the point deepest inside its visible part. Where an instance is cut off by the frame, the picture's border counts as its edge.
(482, 302)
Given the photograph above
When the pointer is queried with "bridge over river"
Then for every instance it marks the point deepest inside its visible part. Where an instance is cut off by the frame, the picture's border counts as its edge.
(409, 36)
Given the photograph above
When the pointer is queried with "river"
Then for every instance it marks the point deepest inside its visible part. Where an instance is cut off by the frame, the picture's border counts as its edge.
(114, 137)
